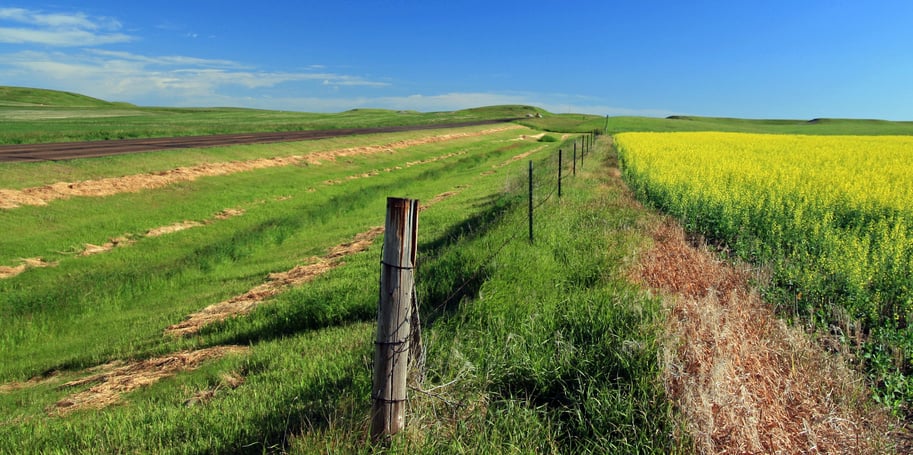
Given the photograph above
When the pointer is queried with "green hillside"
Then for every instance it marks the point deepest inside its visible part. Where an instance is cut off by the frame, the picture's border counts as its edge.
(36, 97)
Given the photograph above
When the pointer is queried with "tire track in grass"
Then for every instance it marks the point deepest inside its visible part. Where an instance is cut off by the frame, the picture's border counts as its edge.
(280, 282)
(38, 196)
(376, 172)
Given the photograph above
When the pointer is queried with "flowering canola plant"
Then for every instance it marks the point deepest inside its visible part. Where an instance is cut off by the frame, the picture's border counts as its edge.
(832, 216)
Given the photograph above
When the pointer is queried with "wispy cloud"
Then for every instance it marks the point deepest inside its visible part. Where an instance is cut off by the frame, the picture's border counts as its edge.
(25, 26)
(555, 103)
(182, 80)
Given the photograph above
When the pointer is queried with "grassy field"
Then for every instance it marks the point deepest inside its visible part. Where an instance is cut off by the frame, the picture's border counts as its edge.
(36, 116)
(560, 357)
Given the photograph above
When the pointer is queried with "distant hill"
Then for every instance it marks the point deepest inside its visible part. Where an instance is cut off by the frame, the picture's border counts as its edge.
(36, 97)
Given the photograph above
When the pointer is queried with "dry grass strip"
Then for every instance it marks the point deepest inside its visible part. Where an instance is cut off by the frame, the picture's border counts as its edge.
(113, 380)
(42, 195)
(28, 263)
(745, 381)
(90, 249)
(279, 282)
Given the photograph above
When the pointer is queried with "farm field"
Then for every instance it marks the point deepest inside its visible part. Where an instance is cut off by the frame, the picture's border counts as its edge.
(830, 216)
(222, 300)
(30, 116)
(100, 352)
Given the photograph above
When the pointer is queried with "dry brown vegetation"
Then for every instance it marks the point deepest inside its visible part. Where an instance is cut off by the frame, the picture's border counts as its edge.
(112, 380)
(744, 381)
(279, 282)
(9, 272)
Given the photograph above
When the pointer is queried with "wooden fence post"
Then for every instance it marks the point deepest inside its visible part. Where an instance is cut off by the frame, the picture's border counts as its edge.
(530, 201)
(559, 172)
(574, 168)
(394, 318)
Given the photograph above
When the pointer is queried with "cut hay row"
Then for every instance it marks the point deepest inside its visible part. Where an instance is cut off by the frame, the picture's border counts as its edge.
(279, 282)
(38, 196)
(119, 242)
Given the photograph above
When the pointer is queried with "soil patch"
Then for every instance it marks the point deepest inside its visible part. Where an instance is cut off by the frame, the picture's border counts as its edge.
(113, 380)
(10, 199)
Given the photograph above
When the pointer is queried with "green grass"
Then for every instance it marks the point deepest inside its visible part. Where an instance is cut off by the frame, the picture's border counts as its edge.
(24, 96)
(810, 126)
(580, 123)
(537, 348)
(36, 116)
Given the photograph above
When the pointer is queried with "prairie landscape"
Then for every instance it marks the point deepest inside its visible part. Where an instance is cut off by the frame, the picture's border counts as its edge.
(700, 285)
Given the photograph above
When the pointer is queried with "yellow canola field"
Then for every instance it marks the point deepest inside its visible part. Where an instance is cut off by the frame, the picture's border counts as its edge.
(832, 214)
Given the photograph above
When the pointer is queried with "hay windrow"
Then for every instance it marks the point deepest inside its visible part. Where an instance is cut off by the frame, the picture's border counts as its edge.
(113, 380)
(745, 381)
(279, 282)
(171, 229)
(25, 264)
(37, 196)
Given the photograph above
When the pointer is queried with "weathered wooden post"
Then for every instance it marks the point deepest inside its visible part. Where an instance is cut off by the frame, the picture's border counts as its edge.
(394, 317)
(559, 172)
(530, 201)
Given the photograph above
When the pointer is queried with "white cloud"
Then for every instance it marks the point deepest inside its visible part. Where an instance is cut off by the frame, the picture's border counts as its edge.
(24, 26)
(124, 76)
(446, 102)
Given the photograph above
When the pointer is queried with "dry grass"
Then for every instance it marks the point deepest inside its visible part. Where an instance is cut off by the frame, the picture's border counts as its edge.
(25, 264)
(279, 282)
(114, 379)
(745, 382)
(42, 195)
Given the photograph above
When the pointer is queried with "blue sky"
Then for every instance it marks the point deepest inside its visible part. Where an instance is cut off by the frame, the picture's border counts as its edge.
(751, 58)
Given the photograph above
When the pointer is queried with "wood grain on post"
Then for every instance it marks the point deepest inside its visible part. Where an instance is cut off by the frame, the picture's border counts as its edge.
(394, 316)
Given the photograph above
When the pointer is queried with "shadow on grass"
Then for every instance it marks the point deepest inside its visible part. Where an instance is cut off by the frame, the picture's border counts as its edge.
(445, 276)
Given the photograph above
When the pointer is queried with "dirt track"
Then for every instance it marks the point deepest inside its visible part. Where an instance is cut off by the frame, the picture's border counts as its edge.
(90, 149)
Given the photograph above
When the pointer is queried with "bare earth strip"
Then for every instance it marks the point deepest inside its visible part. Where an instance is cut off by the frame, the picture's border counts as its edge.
(10, 199)
(743, 379)
(115, 379)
